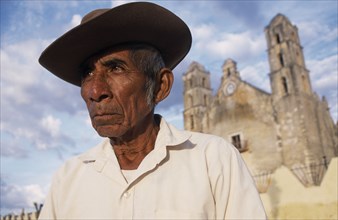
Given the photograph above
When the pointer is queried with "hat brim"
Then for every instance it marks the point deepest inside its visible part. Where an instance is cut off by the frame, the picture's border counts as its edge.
(139, 22)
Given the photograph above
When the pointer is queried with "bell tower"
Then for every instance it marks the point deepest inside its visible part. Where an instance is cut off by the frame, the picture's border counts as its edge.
(197, 96)
(288, 75)
(231, 77)
(296, 107)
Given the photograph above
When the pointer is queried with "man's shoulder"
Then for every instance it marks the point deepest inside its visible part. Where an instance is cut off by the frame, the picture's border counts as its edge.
(176, 136)
(208, 144)
(94, 152)
(195, 140)
(73, 164)
(208, 139)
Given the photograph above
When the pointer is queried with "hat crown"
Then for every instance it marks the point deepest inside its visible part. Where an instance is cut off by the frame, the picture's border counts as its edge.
(93, 14)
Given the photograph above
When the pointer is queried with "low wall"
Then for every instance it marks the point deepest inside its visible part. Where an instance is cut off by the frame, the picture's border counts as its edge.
(287, 198)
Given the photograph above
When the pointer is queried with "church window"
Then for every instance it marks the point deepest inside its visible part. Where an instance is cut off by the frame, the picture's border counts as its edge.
(190, 83)
(192, 122)
(236, 141)
(205, 100)
(285, 85)
(278, 38)
(281, 59)
(229, 73)
(203, 82)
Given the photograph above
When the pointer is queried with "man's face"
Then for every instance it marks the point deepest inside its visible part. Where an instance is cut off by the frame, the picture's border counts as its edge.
(115, 94)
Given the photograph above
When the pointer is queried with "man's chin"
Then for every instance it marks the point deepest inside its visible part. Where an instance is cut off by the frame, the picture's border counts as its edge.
(109, 131)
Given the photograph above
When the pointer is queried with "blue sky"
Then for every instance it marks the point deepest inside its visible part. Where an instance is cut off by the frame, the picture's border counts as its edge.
(44, 120)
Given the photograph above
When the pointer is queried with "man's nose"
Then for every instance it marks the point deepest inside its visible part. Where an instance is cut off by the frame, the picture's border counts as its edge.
(100, 89)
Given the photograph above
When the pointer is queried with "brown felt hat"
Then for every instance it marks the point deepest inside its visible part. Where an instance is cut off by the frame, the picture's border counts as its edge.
(137, 22)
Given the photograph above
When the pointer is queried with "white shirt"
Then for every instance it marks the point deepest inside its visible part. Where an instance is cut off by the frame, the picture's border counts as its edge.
(188, 175)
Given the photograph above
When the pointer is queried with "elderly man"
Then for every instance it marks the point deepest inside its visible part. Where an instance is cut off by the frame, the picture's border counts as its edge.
(122, 58)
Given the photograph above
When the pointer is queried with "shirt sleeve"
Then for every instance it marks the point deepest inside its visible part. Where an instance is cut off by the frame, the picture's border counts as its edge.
(48, 211)
(235, 193)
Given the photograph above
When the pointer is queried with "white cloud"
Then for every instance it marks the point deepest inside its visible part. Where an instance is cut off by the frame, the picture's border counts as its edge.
(28, 93)
(324, 73)
(203, 32)
(20, 70)
(52, 125)
(76, 20)
(318, 39)
(238, 45)
(15, 197)
(12, 147)
(324, 78)
(257, 75)
(211, 45)
(311, 29)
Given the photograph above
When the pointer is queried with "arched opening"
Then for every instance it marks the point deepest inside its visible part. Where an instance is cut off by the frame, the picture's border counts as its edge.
(285, 85)
(203, 82)
(281, 59)
(205, 99)
(278, 38)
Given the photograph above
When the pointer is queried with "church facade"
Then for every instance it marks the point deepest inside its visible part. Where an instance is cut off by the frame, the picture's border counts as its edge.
(290, 126)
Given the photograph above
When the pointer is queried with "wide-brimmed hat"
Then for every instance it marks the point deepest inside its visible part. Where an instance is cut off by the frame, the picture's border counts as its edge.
(137, 22)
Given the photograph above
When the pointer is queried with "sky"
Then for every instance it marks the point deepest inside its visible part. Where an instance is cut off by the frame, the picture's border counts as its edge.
(44, 120)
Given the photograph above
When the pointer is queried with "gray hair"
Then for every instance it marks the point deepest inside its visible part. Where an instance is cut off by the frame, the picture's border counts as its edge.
(149, 61)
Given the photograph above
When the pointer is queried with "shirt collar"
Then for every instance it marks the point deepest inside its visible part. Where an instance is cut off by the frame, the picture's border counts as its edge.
(168, 135)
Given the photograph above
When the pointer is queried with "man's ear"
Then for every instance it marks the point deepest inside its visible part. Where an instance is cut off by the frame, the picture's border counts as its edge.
(164, 83)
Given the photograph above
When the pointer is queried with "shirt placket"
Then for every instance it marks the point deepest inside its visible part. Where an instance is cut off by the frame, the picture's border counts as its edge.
(127, 201)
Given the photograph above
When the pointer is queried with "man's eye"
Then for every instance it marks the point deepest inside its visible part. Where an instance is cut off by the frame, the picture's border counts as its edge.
(86, 74)
(115, 69)
(90, 73)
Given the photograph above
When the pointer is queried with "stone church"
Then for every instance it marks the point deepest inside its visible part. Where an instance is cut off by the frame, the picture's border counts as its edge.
(291, 126)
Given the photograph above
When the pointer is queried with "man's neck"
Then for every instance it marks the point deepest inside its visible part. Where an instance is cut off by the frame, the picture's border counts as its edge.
(131, 152)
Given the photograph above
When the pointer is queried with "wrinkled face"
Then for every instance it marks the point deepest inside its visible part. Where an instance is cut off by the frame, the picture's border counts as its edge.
(115, 94)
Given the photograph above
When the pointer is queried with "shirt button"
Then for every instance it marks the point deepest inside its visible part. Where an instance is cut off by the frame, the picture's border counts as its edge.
(126, 194)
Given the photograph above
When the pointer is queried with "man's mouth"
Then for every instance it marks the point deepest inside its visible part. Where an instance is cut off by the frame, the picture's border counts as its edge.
(107, 119)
